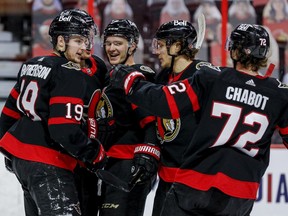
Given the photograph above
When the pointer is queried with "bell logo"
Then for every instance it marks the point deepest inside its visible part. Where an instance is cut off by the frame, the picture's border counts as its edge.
(180, 22)
(65, 19)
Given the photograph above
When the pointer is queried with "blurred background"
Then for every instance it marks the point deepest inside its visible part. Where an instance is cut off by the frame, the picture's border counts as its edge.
(24, 26)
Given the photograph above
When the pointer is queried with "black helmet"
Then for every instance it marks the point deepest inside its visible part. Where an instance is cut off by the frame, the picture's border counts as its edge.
(177, 30)
(71, 21)
(122, 28)
(253, 39)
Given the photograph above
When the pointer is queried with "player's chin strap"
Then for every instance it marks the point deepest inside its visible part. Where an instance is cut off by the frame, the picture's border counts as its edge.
(62, 53)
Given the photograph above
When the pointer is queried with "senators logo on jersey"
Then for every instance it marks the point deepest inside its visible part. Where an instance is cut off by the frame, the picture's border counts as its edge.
(104, 108)
(168, 129)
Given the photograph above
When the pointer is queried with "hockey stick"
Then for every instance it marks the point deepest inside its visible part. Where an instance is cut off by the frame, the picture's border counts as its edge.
(116, 182)
(270, 70)
(201, 31)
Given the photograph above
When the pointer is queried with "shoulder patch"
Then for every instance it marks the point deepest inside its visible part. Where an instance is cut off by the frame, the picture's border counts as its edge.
(147, 69)
(71, 65)
(282, 85)
(207, 64)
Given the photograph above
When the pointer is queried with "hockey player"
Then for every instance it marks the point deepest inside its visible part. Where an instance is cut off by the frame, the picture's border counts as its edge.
(239, 111)
(175, 45)
(128, 134)
(95, 72)
(41, 122)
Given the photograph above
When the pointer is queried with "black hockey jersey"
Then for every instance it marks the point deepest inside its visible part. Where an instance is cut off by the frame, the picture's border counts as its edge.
(43, 114)
(175, 134)
(126, 119)
(239, 113)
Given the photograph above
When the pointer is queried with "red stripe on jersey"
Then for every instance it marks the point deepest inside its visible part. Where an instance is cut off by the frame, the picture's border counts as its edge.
(11, 113)
(36, 153)
(146, 120)
(62, 120)
(167, 174)
(172, 104)
(64, 100)
(283, 131)
(14, 94)
(121, 151)
(192, 96)
(228, 185)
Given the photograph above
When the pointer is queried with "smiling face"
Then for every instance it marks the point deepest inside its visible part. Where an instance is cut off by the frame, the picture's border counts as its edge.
(117, 49)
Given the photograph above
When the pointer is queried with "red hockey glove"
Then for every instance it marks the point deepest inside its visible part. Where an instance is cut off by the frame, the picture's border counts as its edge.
(145, 163)
(123, 77)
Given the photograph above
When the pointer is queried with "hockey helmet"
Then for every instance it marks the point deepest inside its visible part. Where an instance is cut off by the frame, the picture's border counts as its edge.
(253, 40)
(122, 28)
(72, 21)
(177, 30)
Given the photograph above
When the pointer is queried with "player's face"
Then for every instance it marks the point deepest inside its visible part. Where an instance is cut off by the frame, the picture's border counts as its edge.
(116, 49)
(86, 54)
(161, 52)
(75, 48)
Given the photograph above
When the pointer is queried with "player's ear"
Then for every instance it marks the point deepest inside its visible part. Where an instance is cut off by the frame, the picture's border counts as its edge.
(132, 48)
(60, 43)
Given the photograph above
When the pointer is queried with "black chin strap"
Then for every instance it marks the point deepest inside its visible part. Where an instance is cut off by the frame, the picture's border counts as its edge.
(234, 60)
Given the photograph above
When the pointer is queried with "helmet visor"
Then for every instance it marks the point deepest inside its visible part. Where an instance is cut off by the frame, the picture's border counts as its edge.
(158, 45)
(229, 44)
(91, 39)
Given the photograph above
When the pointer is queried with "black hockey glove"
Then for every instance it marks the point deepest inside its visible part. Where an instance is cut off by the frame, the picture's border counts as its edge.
(145, 163)
(123, 77)
(107, 129)
(8, 164)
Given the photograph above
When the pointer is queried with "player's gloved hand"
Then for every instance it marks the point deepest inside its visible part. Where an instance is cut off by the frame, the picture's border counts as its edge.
(99, 159)
(107, 130)
(145, 163)
(8, 164)
(123, 77)
(92, 128)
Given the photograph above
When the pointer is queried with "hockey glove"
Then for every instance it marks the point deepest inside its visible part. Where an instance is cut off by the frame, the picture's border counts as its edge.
(99, 160)
(107, 129)
(145, 163)
(123, 77)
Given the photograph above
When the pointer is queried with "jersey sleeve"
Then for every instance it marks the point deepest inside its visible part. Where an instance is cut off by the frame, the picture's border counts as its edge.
(173, 100)
(283, 127)
(10, 114)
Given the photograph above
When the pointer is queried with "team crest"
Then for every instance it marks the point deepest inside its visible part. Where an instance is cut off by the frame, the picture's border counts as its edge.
(207, 64)
(72, 65)
(146, 69)
(104, 108)
(168, 129)
(282, 85)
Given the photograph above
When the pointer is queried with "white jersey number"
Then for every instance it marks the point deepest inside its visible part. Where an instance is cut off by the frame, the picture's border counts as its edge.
(234, 114)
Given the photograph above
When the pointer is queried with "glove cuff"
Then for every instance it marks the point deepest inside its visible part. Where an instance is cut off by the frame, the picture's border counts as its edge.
(129, 80)
(152, 150)
(100, 156)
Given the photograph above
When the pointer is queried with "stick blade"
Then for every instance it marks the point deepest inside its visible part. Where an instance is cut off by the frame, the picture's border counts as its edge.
(112, 180)
(201, 30)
